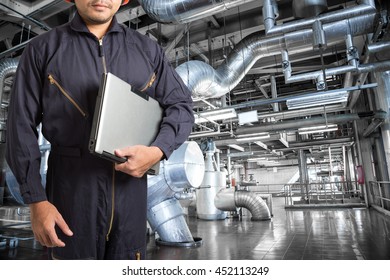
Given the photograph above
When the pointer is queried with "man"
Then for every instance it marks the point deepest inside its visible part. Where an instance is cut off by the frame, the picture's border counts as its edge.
(91, 209)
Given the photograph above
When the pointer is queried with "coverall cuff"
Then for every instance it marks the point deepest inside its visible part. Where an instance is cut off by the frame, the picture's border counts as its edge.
(31, 196)
(166, 150)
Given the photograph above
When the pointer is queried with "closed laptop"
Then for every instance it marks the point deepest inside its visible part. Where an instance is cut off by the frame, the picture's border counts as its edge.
(123, 117)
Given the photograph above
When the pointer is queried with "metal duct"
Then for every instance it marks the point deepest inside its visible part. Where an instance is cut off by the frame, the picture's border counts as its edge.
(206, 82)
(308, 8)
(184, 169)
(229, 200)
(184, 11)
(7, 70)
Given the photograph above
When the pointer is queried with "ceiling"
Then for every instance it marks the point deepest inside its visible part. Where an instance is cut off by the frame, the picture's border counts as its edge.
(261, 94)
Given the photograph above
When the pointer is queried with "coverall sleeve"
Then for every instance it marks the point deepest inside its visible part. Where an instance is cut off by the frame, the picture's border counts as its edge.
(175, 98)
(25, 113)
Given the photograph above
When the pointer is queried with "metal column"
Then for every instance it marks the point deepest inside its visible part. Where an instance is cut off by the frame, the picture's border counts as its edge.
(303, 175)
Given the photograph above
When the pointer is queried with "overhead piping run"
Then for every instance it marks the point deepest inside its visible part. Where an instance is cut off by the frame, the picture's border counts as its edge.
(361, 79)
(206, 82)
(179, 12)
(312, 95)
(365, 7)
(14, 49)
(292, 125)
(318, 75)
(40, 24)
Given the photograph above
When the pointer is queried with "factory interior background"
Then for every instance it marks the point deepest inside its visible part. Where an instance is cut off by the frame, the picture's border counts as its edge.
(289, 156)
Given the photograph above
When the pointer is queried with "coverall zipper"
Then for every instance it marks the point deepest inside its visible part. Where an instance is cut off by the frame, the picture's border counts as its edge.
(101, 54)
(54, 82)
(150, 82)
(112, 202)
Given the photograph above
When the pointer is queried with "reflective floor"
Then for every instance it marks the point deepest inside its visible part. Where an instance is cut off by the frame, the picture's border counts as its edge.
(304, 234)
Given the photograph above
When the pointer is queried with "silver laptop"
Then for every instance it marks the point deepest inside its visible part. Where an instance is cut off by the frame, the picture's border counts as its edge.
(123, 117)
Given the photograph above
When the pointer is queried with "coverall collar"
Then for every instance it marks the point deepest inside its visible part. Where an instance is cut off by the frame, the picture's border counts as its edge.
(77, 24)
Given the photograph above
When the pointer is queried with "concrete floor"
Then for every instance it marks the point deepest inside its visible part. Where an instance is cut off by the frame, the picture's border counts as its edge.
(304, 234)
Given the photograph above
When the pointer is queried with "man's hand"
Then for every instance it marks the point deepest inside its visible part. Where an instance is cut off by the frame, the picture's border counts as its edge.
(44, 218)
(139, 159)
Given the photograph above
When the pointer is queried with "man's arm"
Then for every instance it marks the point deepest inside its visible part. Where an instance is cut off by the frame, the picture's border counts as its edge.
(174, 96)
(22, 150)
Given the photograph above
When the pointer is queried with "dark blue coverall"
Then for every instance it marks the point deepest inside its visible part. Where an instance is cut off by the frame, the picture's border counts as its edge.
(56, 83)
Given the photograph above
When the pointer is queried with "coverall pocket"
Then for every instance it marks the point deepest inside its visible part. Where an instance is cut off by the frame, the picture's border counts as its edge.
(66, 94)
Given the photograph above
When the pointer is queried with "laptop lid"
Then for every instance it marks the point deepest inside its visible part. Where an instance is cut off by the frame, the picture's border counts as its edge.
(123, 117)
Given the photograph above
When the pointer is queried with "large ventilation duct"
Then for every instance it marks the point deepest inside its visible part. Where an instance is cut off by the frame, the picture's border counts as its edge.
(206, 82)
(184, 169)
(228, 200)
(184, 11)
(7, 71)
(308, 8)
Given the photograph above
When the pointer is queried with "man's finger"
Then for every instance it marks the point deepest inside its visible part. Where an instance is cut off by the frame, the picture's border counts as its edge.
(63, 226)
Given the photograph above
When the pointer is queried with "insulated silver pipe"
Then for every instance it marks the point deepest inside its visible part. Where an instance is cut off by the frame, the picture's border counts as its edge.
(364, 8)
(184, 169)
(274, 93)
(206, 82)
(308, 8)
(7, 69)
(353, 66)
(184, 11)
(229, 200)
(378, 47)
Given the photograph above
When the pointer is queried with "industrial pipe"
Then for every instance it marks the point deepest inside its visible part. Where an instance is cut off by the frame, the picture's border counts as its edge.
(184, 169)
(185, 11)
(206, 82)
(290, 125)
(365, 7)
(229, 200)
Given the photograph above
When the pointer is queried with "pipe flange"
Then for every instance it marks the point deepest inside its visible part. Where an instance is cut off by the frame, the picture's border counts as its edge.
(191, 244)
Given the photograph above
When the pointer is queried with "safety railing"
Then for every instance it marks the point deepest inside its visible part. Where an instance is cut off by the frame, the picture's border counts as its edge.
(323, 193)
(380, 190)
(313, 193)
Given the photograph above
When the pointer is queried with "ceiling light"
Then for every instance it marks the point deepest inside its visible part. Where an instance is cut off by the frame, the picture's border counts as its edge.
(253, 137)
(263, 161)
(242, 154)
(215, 115)
(256, 159)
(236, 147)
(317, 129)
(318, 100)
(248, 117)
